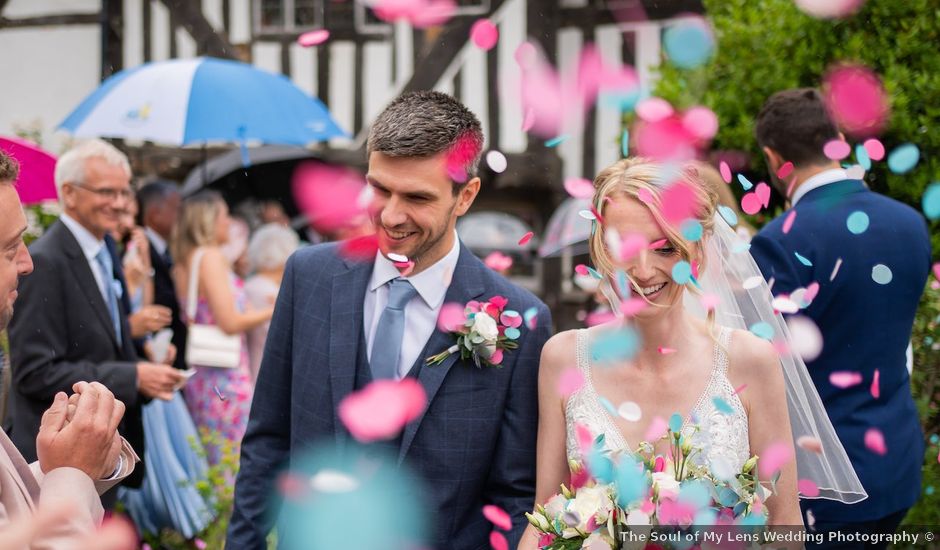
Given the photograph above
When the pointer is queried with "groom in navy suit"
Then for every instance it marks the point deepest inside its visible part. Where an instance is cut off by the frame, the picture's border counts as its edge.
(864, 314)
(340, 323)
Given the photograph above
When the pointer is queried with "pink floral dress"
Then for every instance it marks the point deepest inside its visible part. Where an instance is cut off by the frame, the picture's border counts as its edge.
(219, 398)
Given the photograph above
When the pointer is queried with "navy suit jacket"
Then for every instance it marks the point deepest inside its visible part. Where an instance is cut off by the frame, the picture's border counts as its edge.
(866, 327)
(473, 445)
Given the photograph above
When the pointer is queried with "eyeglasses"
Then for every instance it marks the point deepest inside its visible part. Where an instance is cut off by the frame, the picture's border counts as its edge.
(108, 193)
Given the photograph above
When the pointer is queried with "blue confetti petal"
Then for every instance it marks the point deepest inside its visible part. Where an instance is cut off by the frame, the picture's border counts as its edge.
(681, 272)
(931, 201)
(696, 493)
(691, 230)
(745, 183)
(722, 406)
(904, 158)
(607, 404)
(512, 333)
(593, 272)
(688, 44)
(928, 490)
(934, 439)
(803, 260)
(728, 214)
(623, 283)
(881, 274)
(861, 155)
(741, 247)
(556, 140)
(857, 222)
(727, 497)
(600, 467)
(631, 482)
(615, 345)
(625, 143)
(529, 315)
(763, 330)
(675, 422)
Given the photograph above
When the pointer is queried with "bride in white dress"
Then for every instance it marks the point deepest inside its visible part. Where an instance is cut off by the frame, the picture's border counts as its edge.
(681, 365)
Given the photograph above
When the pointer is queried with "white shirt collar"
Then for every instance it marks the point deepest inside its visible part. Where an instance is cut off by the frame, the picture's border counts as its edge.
(159, 243)
(431, 283)
(815, 182)
(90, 244)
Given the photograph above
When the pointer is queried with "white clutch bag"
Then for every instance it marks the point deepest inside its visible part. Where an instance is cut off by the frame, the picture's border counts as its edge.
(208, 345)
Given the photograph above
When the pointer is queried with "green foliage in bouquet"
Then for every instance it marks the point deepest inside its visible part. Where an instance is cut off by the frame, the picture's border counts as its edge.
(767, 46)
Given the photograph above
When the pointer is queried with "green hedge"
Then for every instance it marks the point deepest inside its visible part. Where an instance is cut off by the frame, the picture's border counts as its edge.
(769, 45)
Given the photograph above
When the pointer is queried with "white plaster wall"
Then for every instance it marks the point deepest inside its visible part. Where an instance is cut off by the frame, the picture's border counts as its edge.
(56, 68)
(34, 8)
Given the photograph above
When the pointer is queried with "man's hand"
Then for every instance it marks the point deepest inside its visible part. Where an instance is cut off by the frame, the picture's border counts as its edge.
(87, 441)
(149, 319)
(157, 381)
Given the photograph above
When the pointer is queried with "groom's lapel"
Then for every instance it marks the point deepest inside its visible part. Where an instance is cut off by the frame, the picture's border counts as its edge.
(349, 290)
(466, 284)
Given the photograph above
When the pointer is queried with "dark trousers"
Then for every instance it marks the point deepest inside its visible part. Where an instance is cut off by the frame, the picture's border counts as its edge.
(887, 524)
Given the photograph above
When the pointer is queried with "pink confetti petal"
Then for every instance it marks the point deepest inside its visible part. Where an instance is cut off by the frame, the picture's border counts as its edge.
(936, 270)
(654, 109)
(811, 291)
(599, 318)
(829, 9)
(528, 121)
(585, 439)
(788, 222)
(313, 38)
(679, 203)
(857, 99)
(739, 389)
(751, 204)
(876, 151)
(762, 190)
(710, 301)
(582, 270)
(632, 244)
(876, 385)
(484, 34)
(632, 306)
(579, 188)
(665, 351)
(665, 140)
(837, 149)
(875, 441)
(656, 429)
(774, 457)
(570, 381)
(701, 122)
(645, 196)
(451, 318)
(498, 541)
(382, 409)
(497, 516)
(808, 443)
(329, 196)
(725, 171)
(807, 488)
(497, 261)
(845, 379)
(785, 170)
(292, 487)
(526, 54)
(526, 238)
(657, 244)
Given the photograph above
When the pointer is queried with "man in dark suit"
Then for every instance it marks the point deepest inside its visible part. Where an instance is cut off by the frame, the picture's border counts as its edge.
(333, 332)
(69, 325)
(871, 272)
(159, 204)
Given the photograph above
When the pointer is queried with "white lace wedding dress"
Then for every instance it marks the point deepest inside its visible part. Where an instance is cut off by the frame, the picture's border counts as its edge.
(722, 438)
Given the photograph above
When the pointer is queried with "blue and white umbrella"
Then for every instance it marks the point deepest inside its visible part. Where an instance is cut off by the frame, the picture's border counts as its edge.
(199, 101)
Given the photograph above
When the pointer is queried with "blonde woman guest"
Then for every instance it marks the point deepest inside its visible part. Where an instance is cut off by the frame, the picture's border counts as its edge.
(268, 251)
(218, 398)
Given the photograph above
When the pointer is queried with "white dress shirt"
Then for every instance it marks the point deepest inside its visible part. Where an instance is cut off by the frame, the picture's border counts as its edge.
(815, 182)
(90, 246)
(159, 243)
(420, 313)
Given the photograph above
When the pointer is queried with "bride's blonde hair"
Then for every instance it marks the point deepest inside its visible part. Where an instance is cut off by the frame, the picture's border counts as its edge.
(630, 177)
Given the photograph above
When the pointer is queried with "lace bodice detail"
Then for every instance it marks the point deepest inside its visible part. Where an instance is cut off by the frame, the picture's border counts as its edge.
(722, 436)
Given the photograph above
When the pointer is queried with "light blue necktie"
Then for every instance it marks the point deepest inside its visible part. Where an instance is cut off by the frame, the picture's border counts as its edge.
(107, 274)
(386, 348)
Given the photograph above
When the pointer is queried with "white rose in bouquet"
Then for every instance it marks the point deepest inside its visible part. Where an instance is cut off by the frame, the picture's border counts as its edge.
(636, 517)
(667, 484)
(591, 502)
(485, 326)
(555, 506)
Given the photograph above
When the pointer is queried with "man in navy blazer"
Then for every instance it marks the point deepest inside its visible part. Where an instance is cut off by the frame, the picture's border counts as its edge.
(871, 273)
(475, 443)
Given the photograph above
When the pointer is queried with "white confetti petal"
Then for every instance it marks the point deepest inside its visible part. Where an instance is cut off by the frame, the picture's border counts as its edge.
(496, 161)
(630, 411)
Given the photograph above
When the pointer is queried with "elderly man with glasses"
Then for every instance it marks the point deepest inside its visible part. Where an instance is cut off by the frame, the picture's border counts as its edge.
(69, 325)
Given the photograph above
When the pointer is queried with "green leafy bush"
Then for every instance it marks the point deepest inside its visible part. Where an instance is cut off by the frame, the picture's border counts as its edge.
(767, 46)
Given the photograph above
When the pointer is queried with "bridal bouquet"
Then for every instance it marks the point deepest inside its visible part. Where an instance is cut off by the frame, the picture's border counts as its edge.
(488, 329)
(610, 495)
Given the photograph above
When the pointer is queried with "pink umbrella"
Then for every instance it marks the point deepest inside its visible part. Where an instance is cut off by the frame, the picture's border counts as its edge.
(37, 168)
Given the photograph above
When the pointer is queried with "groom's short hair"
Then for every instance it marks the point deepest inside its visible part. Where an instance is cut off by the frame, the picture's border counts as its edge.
(796, 125)
(423, 124)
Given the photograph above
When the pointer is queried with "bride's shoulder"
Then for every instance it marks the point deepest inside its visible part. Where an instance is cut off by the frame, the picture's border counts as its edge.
(560, 349)
(751, 356)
